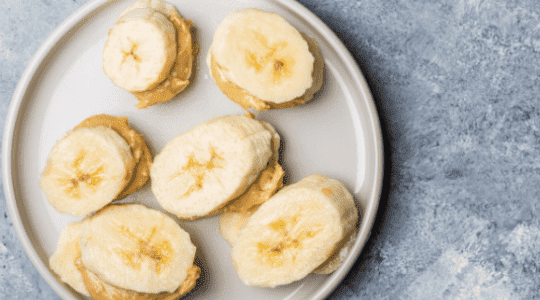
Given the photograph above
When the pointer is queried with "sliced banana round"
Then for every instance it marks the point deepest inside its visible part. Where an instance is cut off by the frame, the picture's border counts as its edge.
(136, 248)
(140, 50)
(294, 232)
(62, 262)
(229, 225)
(203, 169)
(141, 154)
(263, 54)
(86, 169)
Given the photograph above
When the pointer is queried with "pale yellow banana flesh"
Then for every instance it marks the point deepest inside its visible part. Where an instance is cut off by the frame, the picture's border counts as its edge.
(140, 50)
(337, 258)
(294, 232)
(136, 248)
(229, 224)
(203, 169)
(62, 262)
(263, 54)
(67, 264)
(86, 169)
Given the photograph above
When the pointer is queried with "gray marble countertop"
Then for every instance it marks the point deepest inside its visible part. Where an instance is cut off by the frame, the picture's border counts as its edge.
(457, 87)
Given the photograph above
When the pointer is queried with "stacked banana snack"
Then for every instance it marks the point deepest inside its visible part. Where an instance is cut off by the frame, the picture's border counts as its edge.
(260, 61)
(101, 160)
(126, 251)
(149, 52)
(227, 166)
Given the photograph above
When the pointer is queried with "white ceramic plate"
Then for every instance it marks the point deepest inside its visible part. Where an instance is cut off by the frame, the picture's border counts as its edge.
(337, 134)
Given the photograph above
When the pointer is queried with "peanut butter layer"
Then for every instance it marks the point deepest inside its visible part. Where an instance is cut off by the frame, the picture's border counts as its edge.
(270, 180)
(139, 149)
(247, 100)
(178, 78)
(265, 186)
(100, 290)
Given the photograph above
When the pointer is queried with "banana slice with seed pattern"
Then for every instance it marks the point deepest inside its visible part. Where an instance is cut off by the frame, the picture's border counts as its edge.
(136, 248)
(139, 149)
(201, 170)
(86, 169)
(259, 60)
(150, 52)
(140, 50)
(66, 261)
(294, 232)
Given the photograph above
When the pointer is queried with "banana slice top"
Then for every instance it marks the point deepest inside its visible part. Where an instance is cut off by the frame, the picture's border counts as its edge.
(136, 248)
(150, 52)
(263, 54)
(86, 169)
(66, 262)
(201, 170)
(139, 148)
(293, 233)
(140, 50)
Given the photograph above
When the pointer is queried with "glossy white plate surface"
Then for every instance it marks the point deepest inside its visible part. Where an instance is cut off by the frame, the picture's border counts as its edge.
(336, 134)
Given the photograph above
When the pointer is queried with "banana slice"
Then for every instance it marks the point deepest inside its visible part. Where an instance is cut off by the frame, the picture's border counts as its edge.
(62, 262)
(86, 169)
(259, 60)
(141, 154)
(167, 64)
(230, 223)
(200, 171)
(294, 232)
(140, 50)
(135, 248)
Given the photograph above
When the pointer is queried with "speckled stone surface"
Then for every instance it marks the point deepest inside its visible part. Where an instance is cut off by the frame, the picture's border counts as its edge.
(457, 86)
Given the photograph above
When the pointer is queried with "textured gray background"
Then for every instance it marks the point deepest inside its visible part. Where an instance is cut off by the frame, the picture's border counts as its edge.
(457, 86)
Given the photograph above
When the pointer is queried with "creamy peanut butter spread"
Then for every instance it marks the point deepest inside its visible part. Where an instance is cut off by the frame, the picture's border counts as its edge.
(246, 100)
(178, 78)
(100, 290)
(139, 149)
(265, 186)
